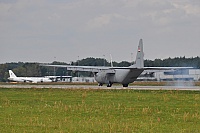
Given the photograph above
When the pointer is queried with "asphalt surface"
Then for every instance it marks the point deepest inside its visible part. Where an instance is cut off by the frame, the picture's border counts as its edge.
(192, 88)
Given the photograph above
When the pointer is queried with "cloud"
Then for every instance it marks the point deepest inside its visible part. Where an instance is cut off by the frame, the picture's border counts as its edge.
(189, 7)
(107, 25)
(104, 20)
(100, 21)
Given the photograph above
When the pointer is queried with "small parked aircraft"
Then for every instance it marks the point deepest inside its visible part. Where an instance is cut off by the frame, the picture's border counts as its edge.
(13, 77)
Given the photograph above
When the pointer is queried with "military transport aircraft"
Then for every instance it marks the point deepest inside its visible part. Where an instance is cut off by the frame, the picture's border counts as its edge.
(122, 75)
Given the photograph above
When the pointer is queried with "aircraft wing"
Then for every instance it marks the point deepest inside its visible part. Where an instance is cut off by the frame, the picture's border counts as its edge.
(166, 68)
(152, 68)
(94, 69)
(111, 70)
(27, 80)
(52, 77)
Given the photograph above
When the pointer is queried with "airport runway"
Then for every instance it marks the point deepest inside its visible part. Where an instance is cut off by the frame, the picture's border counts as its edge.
(192, 88)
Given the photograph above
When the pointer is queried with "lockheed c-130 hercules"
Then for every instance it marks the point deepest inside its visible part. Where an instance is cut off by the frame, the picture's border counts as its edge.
(122, 75)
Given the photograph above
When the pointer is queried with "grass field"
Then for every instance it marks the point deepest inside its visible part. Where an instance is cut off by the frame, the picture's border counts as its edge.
(59, 110)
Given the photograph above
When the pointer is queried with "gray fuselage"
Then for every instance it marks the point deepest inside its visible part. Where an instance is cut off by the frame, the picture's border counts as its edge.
(123, 76)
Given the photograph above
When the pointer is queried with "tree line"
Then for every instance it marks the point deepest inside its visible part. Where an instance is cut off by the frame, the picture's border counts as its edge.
(35, 70)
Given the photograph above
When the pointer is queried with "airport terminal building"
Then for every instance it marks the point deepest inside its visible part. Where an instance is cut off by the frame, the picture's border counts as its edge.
(182, 74)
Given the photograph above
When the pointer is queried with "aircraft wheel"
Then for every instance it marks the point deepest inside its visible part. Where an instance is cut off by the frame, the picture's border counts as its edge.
(109, 85)
(100, 84)
(125, 85)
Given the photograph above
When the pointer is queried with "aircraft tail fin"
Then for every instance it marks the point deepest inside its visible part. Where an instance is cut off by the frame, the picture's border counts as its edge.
(11, 73)
(139, 62)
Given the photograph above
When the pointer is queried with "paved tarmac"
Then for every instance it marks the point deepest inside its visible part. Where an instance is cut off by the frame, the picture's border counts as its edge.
(192, 88)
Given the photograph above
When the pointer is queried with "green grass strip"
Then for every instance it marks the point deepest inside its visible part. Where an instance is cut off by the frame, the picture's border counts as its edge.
(70, 110)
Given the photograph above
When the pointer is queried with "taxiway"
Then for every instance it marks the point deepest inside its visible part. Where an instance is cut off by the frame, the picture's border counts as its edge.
(192, 88)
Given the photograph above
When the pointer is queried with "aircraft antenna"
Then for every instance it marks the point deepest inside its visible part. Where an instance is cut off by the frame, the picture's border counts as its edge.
(111, 62)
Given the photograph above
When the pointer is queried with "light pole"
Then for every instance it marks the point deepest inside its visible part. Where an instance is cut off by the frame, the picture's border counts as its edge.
(54, 67)
(78, 61)
(104, 60)
(131, 58)
(78, 64)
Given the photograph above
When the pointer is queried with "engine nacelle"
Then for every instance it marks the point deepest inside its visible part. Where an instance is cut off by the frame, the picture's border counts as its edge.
(101, 77)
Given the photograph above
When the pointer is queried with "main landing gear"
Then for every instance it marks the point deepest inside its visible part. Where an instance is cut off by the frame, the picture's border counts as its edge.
(100, 84)
(108, 85)
(125, 85)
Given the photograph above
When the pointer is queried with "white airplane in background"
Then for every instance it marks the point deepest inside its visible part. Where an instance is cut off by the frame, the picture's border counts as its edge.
(122, 75)
(13, 77)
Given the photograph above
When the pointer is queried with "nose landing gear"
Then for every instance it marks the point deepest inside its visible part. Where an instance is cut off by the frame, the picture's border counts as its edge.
(109, 84)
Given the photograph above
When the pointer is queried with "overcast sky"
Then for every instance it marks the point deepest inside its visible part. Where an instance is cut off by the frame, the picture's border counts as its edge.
(65, 30)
